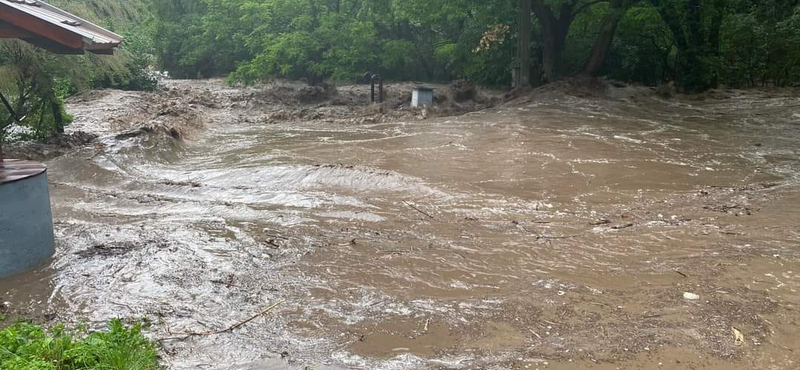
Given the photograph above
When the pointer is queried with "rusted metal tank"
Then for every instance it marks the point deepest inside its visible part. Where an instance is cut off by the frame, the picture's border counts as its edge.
(26, 221)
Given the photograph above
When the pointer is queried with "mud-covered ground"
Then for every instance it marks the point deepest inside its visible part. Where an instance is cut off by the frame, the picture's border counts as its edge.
(572, 227)
(176, 109)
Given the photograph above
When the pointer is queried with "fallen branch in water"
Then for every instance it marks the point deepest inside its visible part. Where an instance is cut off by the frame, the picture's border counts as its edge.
(419, 210)
(622, 227)
(545, 237)
(548, 238)
(184, 336)
(394, 251)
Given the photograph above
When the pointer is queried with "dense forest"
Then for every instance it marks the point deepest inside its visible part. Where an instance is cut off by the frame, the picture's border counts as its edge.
(695, 44)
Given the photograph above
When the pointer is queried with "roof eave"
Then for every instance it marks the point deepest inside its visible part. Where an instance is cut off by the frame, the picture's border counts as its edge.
(53, 36)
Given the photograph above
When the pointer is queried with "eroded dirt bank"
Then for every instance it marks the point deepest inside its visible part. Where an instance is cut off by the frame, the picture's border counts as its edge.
(554, 231)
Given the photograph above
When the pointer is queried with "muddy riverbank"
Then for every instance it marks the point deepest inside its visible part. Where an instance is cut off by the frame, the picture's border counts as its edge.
(601, 230)
(177, 108)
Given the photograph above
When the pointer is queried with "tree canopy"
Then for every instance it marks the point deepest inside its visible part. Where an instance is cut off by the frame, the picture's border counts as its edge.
(698, 44)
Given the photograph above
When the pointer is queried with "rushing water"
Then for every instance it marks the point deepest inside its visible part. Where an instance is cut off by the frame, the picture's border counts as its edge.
(547, 232)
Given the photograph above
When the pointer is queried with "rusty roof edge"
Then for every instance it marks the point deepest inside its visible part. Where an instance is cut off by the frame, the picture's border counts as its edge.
(84, 23)
(88, 26)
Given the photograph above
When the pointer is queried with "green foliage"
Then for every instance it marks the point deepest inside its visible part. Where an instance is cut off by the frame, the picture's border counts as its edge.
(36, 81)
(181, 43)
(306, 39)
(30, 80)
(129, 68)
(29, 347)
(580, 39)
(644, 50)
(701, 44)
(115, 15)
(256, 40)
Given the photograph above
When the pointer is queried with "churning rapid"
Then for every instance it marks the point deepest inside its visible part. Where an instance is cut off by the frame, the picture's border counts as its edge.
(560, 231)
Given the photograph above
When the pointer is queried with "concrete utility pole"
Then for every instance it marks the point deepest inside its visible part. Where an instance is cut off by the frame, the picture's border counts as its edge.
(523, 78)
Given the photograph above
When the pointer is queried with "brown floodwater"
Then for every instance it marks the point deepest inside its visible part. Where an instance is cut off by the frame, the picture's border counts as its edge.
(554, 232)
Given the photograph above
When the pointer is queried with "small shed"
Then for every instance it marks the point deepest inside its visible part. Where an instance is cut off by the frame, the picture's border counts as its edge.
(422, 97)
(53, 29)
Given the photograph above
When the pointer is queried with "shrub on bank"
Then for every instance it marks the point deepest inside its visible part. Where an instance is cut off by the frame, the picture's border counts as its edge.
(26, 346)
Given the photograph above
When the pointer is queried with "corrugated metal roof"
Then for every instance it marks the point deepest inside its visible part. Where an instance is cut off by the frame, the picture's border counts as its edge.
(93, 35)
(15, 169)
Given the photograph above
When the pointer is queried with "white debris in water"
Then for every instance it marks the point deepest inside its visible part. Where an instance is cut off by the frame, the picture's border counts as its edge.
(691, 296)
(594, 290)
(453, 362)
(628, 139)
(400, 362)
(349, 215)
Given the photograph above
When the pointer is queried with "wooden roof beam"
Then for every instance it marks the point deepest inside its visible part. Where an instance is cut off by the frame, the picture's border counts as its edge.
(41, 28)
(10, 31)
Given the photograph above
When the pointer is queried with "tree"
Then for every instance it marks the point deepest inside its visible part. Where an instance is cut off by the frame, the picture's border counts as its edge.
(30, 85)
(695, 25)
(644, 49)
(524, 47)
(555, 21)
(602, 46)
(181, 41)
(699, 44)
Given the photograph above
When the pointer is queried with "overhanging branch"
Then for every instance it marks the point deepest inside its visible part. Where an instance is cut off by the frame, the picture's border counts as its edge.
(8, 106)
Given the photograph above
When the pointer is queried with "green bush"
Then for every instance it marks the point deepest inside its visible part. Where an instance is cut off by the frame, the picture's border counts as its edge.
(129, 68)
(29, 347)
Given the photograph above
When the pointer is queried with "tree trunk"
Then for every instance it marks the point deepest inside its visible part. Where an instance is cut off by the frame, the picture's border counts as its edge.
(524, 48)
(554, 34)
(549, 57)
(555, 41)
(605, 39)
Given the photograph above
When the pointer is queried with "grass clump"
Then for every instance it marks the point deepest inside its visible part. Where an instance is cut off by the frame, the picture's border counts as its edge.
(26, 346)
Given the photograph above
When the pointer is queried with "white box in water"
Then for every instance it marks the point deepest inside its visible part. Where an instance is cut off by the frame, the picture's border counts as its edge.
(422, 97)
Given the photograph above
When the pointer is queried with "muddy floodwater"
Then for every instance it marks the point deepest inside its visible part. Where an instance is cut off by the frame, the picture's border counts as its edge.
(610, 231)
